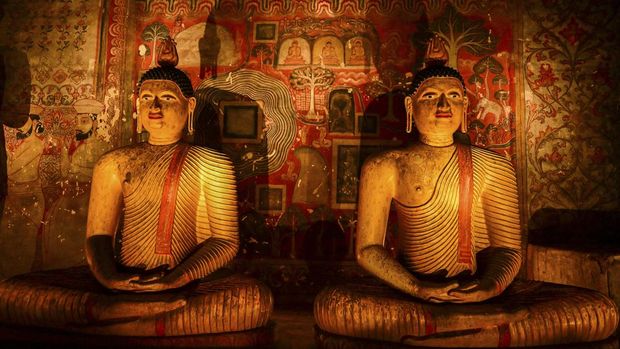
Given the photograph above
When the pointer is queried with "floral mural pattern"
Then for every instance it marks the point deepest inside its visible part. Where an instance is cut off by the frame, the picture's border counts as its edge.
(57, 38)
(570, 126)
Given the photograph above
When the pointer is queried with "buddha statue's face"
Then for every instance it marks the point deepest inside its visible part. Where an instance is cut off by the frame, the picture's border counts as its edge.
(438, 107)
(163, 110)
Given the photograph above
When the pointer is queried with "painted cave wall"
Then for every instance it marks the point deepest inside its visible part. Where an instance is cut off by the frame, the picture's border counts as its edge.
(298, 93)
(62, 65)
(569, 161)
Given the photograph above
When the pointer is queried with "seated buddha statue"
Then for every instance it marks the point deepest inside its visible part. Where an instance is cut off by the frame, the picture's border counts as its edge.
(459, 244)
(162, 219)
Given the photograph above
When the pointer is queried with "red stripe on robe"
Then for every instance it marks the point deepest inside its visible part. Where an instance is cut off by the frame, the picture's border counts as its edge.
(466, 185)
(163, 240)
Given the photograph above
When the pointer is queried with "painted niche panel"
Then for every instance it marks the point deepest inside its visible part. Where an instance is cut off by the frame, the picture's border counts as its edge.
(358, 52)
(328, 50)
(294, 51)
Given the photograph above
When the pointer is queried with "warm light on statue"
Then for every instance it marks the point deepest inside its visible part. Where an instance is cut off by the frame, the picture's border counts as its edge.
(459, 242)
(176, 205)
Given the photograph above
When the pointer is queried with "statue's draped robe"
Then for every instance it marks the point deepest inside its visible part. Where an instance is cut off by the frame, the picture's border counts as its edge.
(181, 214)
(434, 243)
(186, 197)
(444, 235)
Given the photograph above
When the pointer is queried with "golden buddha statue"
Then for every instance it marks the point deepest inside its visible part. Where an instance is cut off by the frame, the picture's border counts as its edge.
(176, 206)
(459, 244)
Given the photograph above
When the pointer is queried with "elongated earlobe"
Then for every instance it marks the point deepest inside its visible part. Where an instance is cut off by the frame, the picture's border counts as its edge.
(191, 105)
(409, 109)
(137, 117)
(464, 125)
(409, 121)
(190, 123)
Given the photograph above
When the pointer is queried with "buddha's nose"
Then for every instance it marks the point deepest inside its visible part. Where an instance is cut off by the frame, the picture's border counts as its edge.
(442, 103)
(156, 103)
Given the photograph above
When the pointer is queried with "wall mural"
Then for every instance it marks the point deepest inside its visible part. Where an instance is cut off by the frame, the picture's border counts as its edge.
(298, 93)
(303, 91)
(50, 158)
(570, 126)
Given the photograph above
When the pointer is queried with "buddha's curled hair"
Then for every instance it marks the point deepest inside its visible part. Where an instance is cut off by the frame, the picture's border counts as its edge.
(437, 70)
(170, 73)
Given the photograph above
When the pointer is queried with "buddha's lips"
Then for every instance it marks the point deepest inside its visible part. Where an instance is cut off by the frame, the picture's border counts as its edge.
(443, 115)
(155, 116)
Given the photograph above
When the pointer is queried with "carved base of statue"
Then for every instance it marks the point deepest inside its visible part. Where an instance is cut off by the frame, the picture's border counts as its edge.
(19, 337)
(72, 300)
(326, 340)
(526, 314)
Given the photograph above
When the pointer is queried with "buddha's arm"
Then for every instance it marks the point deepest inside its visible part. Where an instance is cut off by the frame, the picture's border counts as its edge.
(103, 215)
(377, 188)
(222, 246)
(501, 210)
(500, 204)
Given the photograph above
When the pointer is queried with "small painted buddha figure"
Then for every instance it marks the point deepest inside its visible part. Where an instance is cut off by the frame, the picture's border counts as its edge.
(294, 55)
(459, 244)
(358, 53)
(329, 55)
(162, 219)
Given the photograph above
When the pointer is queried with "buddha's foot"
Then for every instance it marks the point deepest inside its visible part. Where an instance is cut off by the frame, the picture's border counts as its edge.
(527, 314)
(71, 299)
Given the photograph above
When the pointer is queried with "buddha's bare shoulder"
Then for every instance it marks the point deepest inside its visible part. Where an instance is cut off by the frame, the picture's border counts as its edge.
(120, 157)
(384, 160)
(402, 156)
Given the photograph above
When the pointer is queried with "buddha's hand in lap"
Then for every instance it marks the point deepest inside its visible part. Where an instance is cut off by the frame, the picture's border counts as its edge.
(163, 281)
(121, 282)
(474, 291)
(147, 281)
(436, 292)
(453, 292)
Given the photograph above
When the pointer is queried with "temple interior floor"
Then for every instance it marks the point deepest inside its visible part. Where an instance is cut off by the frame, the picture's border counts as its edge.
(294, 328)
